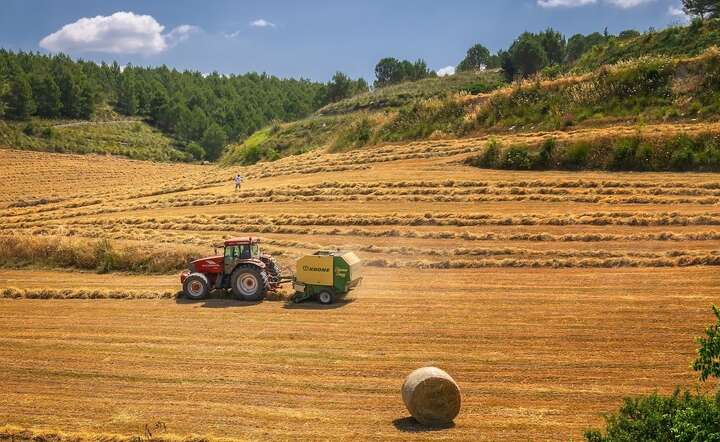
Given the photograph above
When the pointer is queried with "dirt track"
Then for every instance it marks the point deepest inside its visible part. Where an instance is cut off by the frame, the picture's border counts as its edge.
(531, 359)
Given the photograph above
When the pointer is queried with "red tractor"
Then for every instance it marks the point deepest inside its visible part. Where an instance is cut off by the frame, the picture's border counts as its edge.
(241, 268)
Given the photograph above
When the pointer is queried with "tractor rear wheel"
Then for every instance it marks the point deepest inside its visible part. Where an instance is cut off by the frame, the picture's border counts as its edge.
(326, 297)
(248, 284)
(196, 286)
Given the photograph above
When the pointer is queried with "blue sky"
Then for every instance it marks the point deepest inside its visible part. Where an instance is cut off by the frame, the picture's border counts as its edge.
(310, 39)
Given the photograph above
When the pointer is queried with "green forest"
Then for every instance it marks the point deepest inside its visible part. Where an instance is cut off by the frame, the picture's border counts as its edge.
(201, 111)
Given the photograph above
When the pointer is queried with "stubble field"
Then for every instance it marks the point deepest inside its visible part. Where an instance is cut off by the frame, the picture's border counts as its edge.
(549, 296)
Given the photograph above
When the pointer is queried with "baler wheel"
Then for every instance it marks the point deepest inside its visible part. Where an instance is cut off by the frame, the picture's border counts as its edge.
(326, 297)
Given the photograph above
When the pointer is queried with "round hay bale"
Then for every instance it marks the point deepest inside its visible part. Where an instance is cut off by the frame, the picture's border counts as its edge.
(431, 396)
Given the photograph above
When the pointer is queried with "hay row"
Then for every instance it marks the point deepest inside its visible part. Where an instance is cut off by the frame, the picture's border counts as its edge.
(684, 261)
(233, 222)
(9, 433)
(529, 253)
(416, 197)
(15, 293)
(277, 246)
(707, 201)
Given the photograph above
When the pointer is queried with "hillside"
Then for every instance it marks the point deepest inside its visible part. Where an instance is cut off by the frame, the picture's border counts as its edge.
(676, 41)
(355, 122)
(636, 92)
(121, 136)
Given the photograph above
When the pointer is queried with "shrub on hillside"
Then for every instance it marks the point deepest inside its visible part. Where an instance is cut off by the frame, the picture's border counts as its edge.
(422, 119)
(518, 158)
(653, 87)
(679, 153)
(575, 156)
(490, 158)
(678, 417)
(546, 155)
(707, 363)
(357, 135)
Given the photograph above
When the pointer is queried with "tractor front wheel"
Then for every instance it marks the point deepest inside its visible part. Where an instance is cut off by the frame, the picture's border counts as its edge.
(196, 286)
(248, 284)
(326, 297)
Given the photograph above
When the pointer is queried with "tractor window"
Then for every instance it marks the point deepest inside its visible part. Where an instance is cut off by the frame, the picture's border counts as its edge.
(243, 251)
(232, 252)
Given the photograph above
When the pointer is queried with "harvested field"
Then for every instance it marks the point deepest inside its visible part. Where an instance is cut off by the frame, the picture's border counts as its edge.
(548, 296)
(532, 358)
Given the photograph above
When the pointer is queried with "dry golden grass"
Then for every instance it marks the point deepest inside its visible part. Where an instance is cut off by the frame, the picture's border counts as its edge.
(539, 351)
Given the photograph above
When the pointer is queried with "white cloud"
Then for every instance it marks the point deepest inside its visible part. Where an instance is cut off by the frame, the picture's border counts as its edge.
(574, 3)
(564, 3)
(119, 33)
(262, 23)
(628, 3)
(678, 12)
(447, 70)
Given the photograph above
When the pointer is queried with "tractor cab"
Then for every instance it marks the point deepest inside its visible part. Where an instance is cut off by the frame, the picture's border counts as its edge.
(239, 249)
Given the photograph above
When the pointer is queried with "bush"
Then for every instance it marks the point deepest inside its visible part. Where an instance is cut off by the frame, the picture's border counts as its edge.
(679, 417)
(196, 151)
(709, 158)
(104, 256)
(644, 155)
(683, 159)
(707, 362)
(48, 133)
(575, 156)
(624, 154)
(424, 118)
(29, 129)
(517, 158)
(701, 153)
(490, 157)
(251, 155)
(271, 154)
(547, 151)
(357, 135)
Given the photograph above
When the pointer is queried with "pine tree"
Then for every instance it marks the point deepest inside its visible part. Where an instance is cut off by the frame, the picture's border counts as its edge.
(47, 96)
(213, 141)
(477, 57)
(70, 93)
(127, 102)
(88, 99)
(702, 8)
(4, 88)
(20, 103)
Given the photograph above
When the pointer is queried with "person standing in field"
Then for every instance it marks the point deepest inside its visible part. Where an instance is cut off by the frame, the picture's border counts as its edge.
(238, 181)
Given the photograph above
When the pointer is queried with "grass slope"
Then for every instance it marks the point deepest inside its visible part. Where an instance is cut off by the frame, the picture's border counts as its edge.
(125, 137)
(367, 118)
(676, 41)
(644, 90)
(106, 133)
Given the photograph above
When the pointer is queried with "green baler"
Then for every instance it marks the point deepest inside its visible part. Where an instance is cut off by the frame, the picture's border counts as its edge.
(326, 276)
